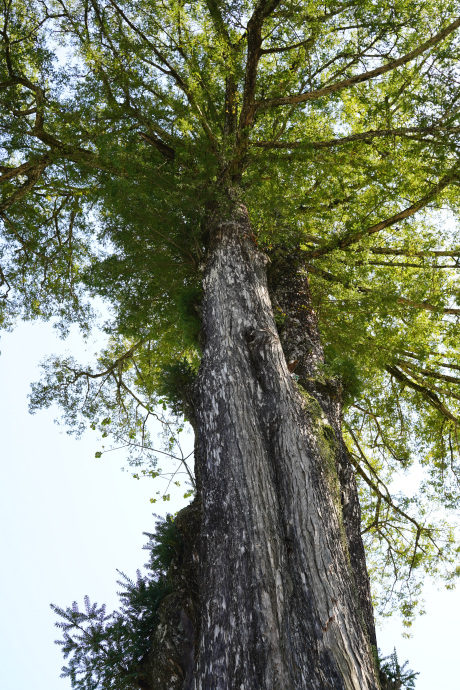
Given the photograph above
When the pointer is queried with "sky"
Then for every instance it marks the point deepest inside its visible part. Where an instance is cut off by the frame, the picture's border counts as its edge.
(70, 520)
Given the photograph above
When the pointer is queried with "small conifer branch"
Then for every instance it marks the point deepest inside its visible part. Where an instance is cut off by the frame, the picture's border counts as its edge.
(365, 76)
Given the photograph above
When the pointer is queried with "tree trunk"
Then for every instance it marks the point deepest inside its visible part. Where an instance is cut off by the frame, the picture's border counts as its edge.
(279, 606)
(290, 295)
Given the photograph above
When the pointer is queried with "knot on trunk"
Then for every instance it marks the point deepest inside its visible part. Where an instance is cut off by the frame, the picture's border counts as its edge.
(259, 338)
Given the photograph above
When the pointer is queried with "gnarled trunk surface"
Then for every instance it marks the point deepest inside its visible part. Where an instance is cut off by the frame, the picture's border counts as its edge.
(279, 606)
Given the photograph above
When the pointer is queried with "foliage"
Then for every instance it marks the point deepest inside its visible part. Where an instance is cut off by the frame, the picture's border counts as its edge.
(105, 650)
(125, 124)
(396, 676)
(174, 381)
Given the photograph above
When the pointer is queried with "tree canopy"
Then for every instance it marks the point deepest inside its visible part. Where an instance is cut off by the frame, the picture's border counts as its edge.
(337, 124)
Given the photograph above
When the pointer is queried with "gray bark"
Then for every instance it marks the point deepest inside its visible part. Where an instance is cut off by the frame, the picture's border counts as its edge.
(279, 604)
(290, 295)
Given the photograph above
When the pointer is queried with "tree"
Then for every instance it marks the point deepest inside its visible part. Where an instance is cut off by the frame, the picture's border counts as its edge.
(253, 188)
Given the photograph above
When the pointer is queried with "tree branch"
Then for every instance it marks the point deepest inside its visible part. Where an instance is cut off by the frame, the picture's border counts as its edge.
(284, 49)
(347, 239)
(404, 252)
(262, 10)
(33, 175)
(218, 20)
(365, 76)
(362, 136)
(432, 399)
(331, 278)
(386, 497)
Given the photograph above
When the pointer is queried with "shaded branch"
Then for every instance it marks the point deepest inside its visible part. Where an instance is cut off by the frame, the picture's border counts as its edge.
(33, 175)
(163, 148)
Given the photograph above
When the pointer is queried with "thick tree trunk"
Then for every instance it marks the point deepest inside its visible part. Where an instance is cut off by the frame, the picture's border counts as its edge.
(279, 607)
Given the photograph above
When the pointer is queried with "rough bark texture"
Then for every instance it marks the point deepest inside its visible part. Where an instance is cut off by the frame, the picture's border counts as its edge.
(278, 603)
(297, 325)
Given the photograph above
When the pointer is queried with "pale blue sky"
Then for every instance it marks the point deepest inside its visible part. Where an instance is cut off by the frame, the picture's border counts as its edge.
(69, 520)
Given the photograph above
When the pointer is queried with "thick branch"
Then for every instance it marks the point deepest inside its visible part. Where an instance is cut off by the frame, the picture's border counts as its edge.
(163, 148)
(262, 10)
(218, 20)
(24, 169)
(33, 176)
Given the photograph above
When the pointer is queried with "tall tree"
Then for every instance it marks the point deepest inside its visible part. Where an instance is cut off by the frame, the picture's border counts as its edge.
(253, 188)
